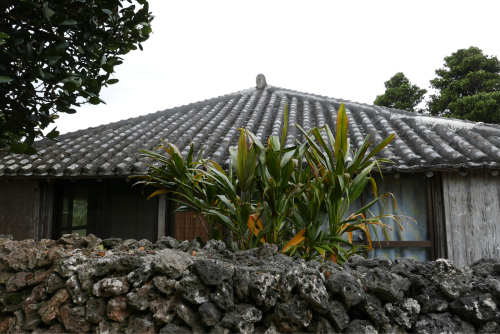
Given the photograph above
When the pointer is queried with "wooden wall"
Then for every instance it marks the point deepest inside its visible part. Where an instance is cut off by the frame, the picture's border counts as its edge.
(19, 209)
(472, 216)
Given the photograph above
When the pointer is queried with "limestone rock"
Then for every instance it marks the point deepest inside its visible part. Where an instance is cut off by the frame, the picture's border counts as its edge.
(264, 290)
(242, 318)
(172, 263)
(210, 314)
(314, 292)
(18, 281)
(320, 325)
(141, 298)
(441, 323)
(33, 319)
(374, 309)
(431, 299)
(223, 297)
(477, 307)
(165, 310)
(293, 315)
(403, 313)
(73, 319)
(172, 328)
(386, 285)
(164, 284)
(140, 323)
(112, 286)
(213, 272)
(95, 310)
(191, 317)
(75, 290)
(347, 287)
(118, 309)
(111, 327)
(360, 326)
(453, 281)
(192, 289)
(48, 310)
(54, 282)
(338, 315)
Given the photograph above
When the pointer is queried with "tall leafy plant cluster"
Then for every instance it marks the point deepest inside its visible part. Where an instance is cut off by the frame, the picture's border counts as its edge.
(277, 194)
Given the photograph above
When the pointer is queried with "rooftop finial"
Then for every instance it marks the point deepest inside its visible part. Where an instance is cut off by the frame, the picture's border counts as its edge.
(261, 81)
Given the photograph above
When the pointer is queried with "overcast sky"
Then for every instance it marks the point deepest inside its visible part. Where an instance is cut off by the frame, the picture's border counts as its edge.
(203, 49)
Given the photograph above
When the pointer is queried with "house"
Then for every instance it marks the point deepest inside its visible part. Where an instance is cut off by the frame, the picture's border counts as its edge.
(445, 172)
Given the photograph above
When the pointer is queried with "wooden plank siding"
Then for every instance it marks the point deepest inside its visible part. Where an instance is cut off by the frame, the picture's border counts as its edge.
(472, 216)
(19, 209)
(187, 226)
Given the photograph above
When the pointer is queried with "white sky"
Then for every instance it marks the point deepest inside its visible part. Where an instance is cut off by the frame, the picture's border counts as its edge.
(203, 49)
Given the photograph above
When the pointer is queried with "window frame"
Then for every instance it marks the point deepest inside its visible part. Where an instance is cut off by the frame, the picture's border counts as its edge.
(432, 243)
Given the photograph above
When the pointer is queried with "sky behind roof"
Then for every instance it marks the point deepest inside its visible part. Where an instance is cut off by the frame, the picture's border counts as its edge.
(203, 49)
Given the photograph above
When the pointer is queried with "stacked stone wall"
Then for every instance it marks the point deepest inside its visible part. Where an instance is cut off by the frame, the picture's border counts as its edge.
(83, 285)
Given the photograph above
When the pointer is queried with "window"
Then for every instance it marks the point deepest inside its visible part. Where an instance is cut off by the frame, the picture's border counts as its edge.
(111, 208)
(411, 193)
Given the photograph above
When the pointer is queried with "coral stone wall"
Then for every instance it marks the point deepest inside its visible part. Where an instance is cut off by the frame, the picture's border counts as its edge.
(82, 285)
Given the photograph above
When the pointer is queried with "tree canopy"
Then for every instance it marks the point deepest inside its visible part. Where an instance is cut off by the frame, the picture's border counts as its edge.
(468, 87)
(401, 94)
(57, 55)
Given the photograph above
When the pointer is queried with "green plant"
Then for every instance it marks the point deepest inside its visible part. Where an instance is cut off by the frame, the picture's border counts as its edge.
(333, 184)
(268, 194)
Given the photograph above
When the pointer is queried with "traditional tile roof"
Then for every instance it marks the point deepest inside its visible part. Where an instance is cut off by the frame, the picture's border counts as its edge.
(423, 142)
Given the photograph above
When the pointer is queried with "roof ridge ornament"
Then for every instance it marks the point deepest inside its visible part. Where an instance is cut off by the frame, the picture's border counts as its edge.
(261, 81)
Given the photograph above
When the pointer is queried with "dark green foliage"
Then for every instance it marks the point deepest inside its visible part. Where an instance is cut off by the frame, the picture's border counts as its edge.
(401, 94)
(468, 87)
(57, 55)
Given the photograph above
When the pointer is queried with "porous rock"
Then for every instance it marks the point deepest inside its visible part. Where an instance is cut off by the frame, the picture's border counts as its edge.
(292, 315)
(441, 323)
(242, 318)
(141, 298)
(141, 323)
(172, 263)
(210, 314)
(191, 317)
(477, 307)
(347, 287)
(73, 319)
(386, 285)
(314, 292)
(223, 297)
(112, 286)
(48, 310)
(264, 290)
(118, 309)
(164, 284)
(165, 310)
(193, 290)
(75, 290)
(213, 272)
(95, 310)
(360, 326)
(453, 281)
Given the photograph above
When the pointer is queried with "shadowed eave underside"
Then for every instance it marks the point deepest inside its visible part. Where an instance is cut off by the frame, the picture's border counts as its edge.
(423, 143)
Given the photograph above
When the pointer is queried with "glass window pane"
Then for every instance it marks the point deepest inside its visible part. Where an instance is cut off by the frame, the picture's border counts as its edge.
(417, 253)
(410, 191)
(80, 198)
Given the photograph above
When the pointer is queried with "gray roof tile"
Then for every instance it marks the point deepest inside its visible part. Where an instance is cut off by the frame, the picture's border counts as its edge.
(423, 142)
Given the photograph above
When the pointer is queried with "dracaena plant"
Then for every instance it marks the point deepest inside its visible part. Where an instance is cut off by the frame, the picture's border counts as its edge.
(184, 181)
(334, 183)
